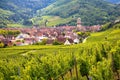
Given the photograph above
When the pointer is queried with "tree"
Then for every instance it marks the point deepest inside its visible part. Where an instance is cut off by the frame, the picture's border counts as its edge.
(56, 43)
(1, 44)
(44, 41)
(27, 22)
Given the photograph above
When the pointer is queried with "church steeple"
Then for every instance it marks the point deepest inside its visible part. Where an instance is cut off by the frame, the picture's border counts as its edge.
(79, 22)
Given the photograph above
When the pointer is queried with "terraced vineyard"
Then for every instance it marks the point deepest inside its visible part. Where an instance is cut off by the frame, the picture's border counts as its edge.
(98, 58)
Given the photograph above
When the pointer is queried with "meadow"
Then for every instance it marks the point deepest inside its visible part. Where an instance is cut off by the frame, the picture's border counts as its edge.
(51, 20)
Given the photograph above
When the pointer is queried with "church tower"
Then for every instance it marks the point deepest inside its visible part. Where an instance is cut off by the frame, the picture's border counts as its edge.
(79, 23)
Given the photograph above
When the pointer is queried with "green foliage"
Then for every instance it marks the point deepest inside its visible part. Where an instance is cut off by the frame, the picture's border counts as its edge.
(113, 1)
(116, 57)
(115, 25)
(105, 27)
(51, 20)
(44, 42)
(9, 32)
(56, 43)
(4, 17)
(27, 22)
(16, 11)
(84, 68)
(83, 35)
(108, 35)
(1, 45)
(92, 12)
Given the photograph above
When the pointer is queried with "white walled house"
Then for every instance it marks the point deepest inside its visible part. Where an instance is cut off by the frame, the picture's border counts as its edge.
(76, 40)
(21, 36)
(67, 43)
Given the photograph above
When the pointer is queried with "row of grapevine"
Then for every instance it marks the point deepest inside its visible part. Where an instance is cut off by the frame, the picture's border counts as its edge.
(96, 61)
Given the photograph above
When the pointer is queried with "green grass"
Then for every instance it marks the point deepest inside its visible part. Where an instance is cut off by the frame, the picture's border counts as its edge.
(5, 12)
(17, 25)
(108, 35)
(52, 20)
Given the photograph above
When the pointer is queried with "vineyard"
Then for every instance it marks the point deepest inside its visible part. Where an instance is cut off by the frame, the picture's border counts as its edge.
(97, 59)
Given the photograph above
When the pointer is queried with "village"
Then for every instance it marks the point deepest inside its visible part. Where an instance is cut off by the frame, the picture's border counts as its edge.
(65, 35)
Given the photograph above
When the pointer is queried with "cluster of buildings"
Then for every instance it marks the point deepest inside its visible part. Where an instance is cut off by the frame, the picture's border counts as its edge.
(63, 34)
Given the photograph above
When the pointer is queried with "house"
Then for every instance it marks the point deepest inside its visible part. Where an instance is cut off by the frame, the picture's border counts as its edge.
(49, 41)
(2, 37)
(10, 37)
(76, 41)
(7, 42)
(29, 41)
(67, 42)
(21, 36)
(61, 39)
(18, 43)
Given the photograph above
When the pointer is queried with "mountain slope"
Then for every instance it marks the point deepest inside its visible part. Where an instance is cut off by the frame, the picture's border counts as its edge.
(90, 11)
(22, 9)
(110, 34)
(61, 11)
(113, 1)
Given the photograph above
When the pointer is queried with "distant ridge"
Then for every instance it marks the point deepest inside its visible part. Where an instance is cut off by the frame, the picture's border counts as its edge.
(92, 12)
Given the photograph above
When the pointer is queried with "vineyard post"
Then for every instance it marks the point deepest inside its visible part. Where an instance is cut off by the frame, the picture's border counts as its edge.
(70, 73)
(19, 71)
(62, 77)
(75, 62)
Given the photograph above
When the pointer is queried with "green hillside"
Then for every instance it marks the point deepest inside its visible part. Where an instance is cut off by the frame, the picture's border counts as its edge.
(51, 20)
(4, 17)
(114, 1)
(92, 12)
(109, 35)
(32, 12)
(110, 32)
(23, 10)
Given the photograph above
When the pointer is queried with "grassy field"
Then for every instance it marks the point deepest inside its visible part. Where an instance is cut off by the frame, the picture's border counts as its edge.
(16, 25)
(109, 35)
(52, 20)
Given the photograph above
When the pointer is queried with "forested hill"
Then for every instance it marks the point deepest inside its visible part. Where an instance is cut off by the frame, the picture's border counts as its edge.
(114, 1)
(91, 11)
(19, 11)
(32, 12)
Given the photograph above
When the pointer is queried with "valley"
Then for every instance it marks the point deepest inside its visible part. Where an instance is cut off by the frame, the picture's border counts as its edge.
(59, 40)
(29, 13)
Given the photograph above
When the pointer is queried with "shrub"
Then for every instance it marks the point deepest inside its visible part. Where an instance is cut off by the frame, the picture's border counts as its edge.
(1, 44)
(57, 43)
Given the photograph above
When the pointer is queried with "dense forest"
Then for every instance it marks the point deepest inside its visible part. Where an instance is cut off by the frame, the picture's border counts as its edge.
(114, 1)
(20, 11)
(91, 11)
(31, 12)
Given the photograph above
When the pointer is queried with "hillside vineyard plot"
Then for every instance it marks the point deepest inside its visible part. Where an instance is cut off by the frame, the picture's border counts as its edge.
(95, 61)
